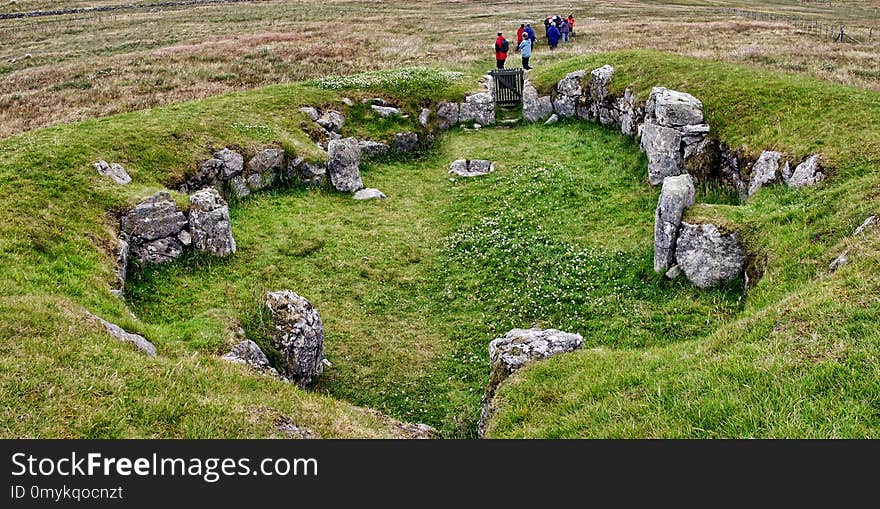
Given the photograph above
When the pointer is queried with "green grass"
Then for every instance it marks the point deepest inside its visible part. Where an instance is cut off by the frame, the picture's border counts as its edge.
(411, 289)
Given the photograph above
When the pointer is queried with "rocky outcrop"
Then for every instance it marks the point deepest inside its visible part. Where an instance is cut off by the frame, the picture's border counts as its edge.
(140, 342)
(477, 108)
(808, 173)
(404, 143)
(231, 163)
(707, 256)
(448, 114)
(535, 108)
(249, 353)
(209, 223)
(673, 133)
(298, 335)
(155, 229)
(115, 171)
(472, 168)
(516, 349)
(765, 171)
(343, 165)
(369, 194)
(676, 196)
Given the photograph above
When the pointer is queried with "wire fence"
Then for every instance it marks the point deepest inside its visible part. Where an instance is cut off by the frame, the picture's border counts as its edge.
(837, 32)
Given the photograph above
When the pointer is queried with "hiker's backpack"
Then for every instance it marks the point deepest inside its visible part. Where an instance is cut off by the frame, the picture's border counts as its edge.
(505, 46)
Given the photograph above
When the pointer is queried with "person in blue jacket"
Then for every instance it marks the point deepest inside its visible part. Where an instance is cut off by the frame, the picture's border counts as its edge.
(552, 36)
(525, 48)
(530, 32)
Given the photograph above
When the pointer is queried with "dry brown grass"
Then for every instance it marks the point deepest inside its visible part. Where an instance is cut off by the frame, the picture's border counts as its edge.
(85, 66)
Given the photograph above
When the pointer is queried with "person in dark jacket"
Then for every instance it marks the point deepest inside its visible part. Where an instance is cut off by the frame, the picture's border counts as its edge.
(553, 36)
(564, 30)
(520, 34)
(501, 48)
(531, 34)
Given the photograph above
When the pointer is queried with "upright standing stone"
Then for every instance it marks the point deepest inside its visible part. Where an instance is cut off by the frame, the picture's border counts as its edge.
(676, 196)
(298, 335)
(764, 171)
(808, 173)
(155, 229)
(343, 165)
(707, 256)
(209, 223)
(663, 147)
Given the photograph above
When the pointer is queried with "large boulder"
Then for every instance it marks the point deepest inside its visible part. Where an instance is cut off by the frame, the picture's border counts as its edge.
(478, 108)
(677, 195)
(209, 223)
(298, 335)
(764, 171)
(571, 84)
(472, 168)
(674, 109)
(565, 105)
(630, 115)
(517, 348)
(306, 172)
(663, 147)
(448, 114)
(264, 168)
(535, 108)
(373, 149)
(155, 229)
(707, 256)
(600, 108)
(808, 173)
(343, 165)
(115, 171)
(404, 143)
(231, 163)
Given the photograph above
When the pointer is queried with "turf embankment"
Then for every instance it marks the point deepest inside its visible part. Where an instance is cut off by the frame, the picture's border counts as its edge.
(412, 289)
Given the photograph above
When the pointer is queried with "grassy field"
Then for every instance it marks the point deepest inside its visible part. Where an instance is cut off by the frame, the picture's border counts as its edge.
(68, 68)
(412, 289)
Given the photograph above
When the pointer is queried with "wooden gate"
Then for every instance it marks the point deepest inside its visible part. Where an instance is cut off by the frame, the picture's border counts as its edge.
(508, 85)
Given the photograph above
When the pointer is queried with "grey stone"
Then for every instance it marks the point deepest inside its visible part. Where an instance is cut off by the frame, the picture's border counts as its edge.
(268, 163)
(378, 101)
(600, 79)
(209, 223)
(516, 349)
(331, 121)
(478, 108)
(343, 165)
(120, 267)
(571, 84)
(373, 148)
(473, 168)
(185, 238)
(552, 120)
(140, 342)
(707, 256)
(158, 251)
(405, 142)
(673, 272)
(424, 117)
(448, 114)
(764, 171)
(565, 105)
(806, 174)
(630, 115)
(114, 171)
(385, 111)
(232, 162)
(310, 112)
(677, 195)
(674, 109)
(369, 194)
(867, 223)
(298, 335)
(730, 171)
(838, 262)
(248, 352)
(210, 174)
(663, 147)
(156, 217)
(535, 108)
(239, 187)
(348, 102)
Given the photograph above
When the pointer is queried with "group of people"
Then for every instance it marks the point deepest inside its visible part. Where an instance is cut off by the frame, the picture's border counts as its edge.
(556, 29)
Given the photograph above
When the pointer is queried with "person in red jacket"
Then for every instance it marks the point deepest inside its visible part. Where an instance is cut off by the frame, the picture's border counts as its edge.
(571, 24)
(501, 47)
(519, 35)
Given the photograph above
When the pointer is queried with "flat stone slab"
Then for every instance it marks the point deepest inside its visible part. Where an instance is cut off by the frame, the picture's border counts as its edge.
(472, 168)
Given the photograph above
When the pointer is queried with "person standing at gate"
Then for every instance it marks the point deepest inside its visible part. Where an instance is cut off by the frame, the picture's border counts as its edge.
(501, 49)
(520, 34)
(552, 36)
(525, 48)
